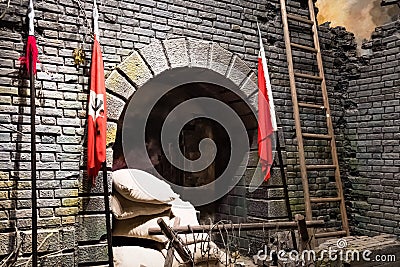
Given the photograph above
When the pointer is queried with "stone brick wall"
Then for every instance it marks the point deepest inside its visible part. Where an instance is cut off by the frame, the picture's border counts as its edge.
(71, 212)
(373, 124)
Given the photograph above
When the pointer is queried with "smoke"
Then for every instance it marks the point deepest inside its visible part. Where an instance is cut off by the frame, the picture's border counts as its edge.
(360, 17)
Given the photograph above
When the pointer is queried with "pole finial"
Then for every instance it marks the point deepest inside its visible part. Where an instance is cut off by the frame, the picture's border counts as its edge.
(95, 20)
(31, 15)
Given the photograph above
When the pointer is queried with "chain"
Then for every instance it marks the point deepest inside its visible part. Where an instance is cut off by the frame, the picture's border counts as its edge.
(87, 22)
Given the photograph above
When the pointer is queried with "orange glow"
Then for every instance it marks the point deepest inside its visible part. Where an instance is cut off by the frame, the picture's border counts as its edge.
(360, 17)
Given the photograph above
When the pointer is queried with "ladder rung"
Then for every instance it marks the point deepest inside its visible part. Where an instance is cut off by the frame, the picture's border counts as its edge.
(317, 136)
(301, 19)
(320, 167)
(330, 234)
(308, 76)
(324, 199)
(304, 47)
(306, 105)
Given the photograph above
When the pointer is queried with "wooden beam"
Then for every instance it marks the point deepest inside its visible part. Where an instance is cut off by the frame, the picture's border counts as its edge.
(185, 256)
(241, 226)
(302, 226)
(303, 231)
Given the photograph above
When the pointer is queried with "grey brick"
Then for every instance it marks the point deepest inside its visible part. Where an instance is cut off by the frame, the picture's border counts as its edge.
(154, 56)
(118, 84)
(69, 122)
(61, 193)
(69, 104)
(68, 139)
(199, 53)
(47, 157)
(49, 112)
(48, 166)
(45, 129)
(48, 148)
(70, 165)
(146, 3)
(72, 148)
(220, 59)
(48, 203)
(87, 232)
(135, 68)
(115, 107)
(238, 71)
(177, 52)
(7, 146)
(92, 204)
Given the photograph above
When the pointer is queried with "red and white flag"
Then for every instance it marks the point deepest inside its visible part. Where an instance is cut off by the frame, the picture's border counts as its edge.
(97, 108)
(266, 115)
(31, 55)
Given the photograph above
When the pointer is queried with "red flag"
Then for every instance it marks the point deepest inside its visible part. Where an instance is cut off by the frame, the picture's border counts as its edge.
(97, 114)
(266, 115)
(31, 54)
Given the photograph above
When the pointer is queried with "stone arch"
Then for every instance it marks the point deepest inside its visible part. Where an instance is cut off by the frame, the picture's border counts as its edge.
(137, 70)
(160, 56)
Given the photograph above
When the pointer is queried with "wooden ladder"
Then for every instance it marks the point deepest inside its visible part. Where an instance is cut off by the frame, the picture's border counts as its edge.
(304, 167)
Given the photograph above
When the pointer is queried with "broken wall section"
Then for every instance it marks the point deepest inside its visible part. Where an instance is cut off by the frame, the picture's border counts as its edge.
(373, 133)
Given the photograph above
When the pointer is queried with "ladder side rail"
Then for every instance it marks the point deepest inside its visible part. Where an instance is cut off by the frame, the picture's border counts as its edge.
(302, 161)
(328, 119)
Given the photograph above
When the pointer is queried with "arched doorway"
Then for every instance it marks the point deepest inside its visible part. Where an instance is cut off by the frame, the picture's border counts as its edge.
(158, 78)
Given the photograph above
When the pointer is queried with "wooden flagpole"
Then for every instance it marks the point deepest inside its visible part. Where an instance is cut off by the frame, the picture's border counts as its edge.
(104, 166)
(30, 61)
(108, 217)
(33, 162)
(285, 187)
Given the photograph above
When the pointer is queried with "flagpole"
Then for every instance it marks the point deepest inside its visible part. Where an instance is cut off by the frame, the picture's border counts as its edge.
(108, 217)
(33, 162)
(104, 165)
(30, 60)
(285, 187)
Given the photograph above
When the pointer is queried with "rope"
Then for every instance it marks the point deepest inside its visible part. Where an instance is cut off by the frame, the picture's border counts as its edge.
(11, 129)
(39, 247)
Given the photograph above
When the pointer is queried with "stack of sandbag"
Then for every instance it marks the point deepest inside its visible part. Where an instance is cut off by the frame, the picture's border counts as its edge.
(139, 200)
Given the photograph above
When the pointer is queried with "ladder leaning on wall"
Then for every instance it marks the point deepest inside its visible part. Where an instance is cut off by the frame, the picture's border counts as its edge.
(304, 167)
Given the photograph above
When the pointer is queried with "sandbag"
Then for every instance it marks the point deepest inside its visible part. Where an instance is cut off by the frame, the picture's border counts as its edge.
(123, 208)
(138, 227)
(185, 211)
(140, 186)
(136, 256)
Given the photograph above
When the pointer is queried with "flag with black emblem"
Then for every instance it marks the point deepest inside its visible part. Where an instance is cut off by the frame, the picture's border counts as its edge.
(97, 108)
